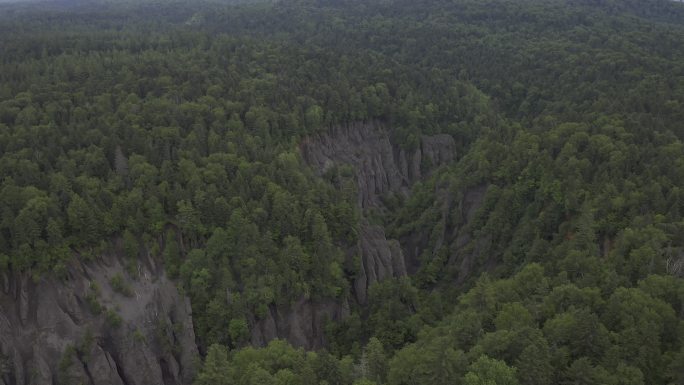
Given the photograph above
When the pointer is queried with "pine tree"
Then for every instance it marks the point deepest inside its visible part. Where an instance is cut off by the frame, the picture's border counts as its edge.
(215, 370)
(375, 361)
(488, 371)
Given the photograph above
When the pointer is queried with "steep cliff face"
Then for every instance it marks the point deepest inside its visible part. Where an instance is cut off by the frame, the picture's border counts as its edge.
(381, 167)
(463, 249)
(81, 330)
(300, 324)
(381, 258)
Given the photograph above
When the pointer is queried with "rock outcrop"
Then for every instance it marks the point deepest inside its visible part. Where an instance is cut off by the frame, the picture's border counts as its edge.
(89, 329)
(300, 324)
(380, 259)
(381, 167)
(463, 249)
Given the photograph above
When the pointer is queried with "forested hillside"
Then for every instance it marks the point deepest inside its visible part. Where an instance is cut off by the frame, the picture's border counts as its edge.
(346, 191)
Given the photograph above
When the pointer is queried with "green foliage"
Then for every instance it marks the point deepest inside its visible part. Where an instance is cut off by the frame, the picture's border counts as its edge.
(131, 246)
(548, 252)
(92, 299)
(65, 362)
(172, 257)
(113, 319)
(375, 361)
(487, 371)
(165, 333)
(238, 331)
(437, 362)
(139, 336)
(392, 305)
(215, 370)
(120, 285)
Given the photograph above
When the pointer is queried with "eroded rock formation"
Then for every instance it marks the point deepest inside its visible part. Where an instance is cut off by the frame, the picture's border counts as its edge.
(300, 324)
(381, 167)
(80, 330)
(380, 259)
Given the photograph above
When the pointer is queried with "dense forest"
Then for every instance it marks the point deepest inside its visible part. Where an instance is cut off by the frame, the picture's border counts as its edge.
(174, 130)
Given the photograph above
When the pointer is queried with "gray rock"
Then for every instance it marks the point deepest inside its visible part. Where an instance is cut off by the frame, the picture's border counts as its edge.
(103, 368)
(464, 250)
(301, 324)
(381, 259)
(381, 167)
(49, 333)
